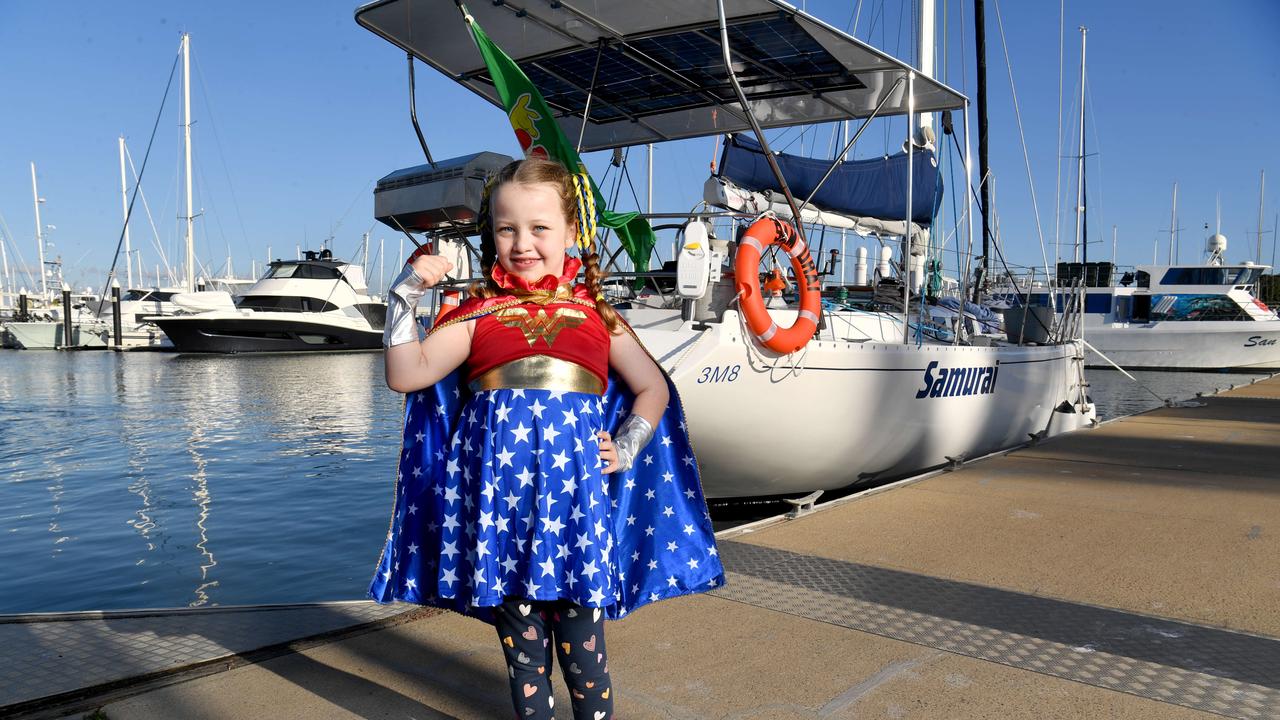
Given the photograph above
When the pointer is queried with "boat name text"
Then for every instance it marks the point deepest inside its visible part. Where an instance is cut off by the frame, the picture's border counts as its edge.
(950, 382)
(1258, 341)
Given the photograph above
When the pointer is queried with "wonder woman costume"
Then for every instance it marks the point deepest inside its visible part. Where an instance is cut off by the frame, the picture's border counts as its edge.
(499, 491)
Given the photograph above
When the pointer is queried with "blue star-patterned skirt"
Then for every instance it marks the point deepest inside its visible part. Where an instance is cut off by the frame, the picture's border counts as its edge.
(500, 494)
(521, 508)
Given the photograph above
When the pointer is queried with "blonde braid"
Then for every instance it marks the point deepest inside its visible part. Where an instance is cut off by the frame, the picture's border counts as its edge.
(486, 287)
(594, 279)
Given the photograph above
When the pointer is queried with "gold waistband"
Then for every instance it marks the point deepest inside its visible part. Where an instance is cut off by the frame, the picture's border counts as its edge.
(540, 372)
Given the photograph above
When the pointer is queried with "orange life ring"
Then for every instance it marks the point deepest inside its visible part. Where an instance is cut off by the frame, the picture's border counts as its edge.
(746, 268)
(449, 301)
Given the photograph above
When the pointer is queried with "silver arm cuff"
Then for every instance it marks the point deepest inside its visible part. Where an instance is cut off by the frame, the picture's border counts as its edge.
(401, 325)
(634, 434)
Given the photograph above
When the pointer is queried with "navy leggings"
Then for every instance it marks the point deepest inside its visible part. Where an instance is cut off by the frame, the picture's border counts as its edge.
(529, 631)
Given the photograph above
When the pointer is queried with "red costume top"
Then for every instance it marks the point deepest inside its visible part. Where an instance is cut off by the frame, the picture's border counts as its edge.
(549, 317)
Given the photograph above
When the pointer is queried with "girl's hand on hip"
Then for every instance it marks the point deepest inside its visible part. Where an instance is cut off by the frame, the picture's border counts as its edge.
(608, 453)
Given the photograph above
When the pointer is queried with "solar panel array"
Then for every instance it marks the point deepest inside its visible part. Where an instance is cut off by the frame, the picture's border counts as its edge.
(773, 57)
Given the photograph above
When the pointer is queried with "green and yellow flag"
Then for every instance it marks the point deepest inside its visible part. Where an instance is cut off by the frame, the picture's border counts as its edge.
(538, 134)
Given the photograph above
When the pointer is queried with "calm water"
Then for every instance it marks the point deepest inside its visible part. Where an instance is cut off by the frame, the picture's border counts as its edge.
(154, 480)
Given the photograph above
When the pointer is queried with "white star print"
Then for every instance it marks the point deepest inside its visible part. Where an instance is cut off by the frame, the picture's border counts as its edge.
(451, 522)
(671, 581)
(419, 436)
(668, 511)
(692, 563)
(570, 418)
(450, 577)
(560, 459)
(512, 500)
(597, 596)
(583, 543)
(411, 584)
(486, 520)
(413, 548)
(548, 567)
(551, 433)
(653, 564)
(672, 546)
(688, 529)
(577, 514)
(552, 525)
(536, 408)
(666, 440)
(502, 523)
(562, 551)
(450, 549)
(525, 477)
(503, 411)
(631, 520)
(504, 458)
(590, 570)
(648, 530)
(520, 433)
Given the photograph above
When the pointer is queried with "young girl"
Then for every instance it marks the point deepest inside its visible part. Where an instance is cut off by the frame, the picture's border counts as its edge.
(528, 493)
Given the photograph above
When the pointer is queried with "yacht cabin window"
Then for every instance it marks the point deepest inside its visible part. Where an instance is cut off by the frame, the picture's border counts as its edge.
(1211, 276)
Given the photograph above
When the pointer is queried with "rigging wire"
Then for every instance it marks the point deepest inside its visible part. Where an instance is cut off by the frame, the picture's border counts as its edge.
(222, 157)
(1026, 158)
(115, 257)
(1057, 190)
(155, 239)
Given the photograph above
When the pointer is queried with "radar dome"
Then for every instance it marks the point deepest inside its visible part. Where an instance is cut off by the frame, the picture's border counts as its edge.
(1217, 243)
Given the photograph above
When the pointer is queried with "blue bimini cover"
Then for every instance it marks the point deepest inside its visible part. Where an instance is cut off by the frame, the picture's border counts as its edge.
(864, 188)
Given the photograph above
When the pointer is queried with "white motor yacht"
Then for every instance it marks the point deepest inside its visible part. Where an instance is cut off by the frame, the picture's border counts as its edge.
(1170, 317)
(313, 304)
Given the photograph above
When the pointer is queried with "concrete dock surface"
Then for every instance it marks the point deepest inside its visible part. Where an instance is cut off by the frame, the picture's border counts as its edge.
(1128, 571)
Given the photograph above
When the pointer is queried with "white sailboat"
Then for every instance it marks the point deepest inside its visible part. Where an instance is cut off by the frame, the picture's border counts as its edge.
(867, 396)
(44, 325)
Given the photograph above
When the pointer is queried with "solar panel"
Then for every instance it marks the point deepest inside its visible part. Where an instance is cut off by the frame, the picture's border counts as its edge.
(670, 71)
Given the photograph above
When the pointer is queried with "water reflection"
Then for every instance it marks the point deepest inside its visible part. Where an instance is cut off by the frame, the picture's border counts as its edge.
(203, 501)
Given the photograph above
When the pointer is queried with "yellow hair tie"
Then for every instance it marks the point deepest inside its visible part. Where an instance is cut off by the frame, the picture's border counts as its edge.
(586, 209)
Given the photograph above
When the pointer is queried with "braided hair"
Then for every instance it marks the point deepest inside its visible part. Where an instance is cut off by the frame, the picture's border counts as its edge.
(578, 203)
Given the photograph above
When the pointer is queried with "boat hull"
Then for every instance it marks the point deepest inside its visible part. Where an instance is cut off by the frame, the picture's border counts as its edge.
(232, 333)
(838, 413)
(51, 335)
(1204, 345)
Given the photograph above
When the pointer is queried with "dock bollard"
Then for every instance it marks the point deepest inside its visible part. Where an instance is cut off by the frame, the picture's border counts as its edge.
(115, 313)
(23, 306)
(66, 317)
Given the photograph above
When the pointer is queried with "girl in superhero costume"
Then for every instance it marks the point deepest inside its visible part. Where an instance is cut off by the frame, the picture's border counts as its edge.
(528, 492)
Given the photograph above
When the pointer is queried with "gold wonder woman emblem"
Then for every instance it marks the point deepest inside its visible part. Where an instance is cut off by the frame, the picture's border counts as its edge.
(541, 325)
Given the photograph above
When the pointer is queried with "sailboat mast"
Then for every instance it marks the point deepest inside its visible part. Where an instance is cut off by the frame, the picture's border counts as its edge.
(1262, 188)
(1082, 252)
(925, 53)
(35, 196)
(1173, 223)
(980, 40)
(124, 208)
(186, 144)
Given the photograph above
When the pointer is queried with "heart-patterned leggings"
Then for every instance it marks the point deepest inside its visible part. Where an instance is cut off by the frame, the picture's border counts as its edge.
(530, 631)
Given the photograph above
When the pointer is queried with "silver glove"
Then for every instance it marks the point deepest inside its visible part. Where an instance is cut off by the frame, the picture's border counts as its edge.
(634, 434)
(401, 325)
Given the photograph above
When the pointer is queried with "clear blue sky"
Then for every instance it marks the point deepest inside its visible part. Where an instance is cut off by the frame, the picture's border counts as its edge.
(298, 111)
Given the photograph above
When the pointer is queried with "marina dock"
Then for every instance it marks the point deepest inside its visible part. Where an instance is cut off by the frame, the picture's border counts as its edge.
(1128, 571)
